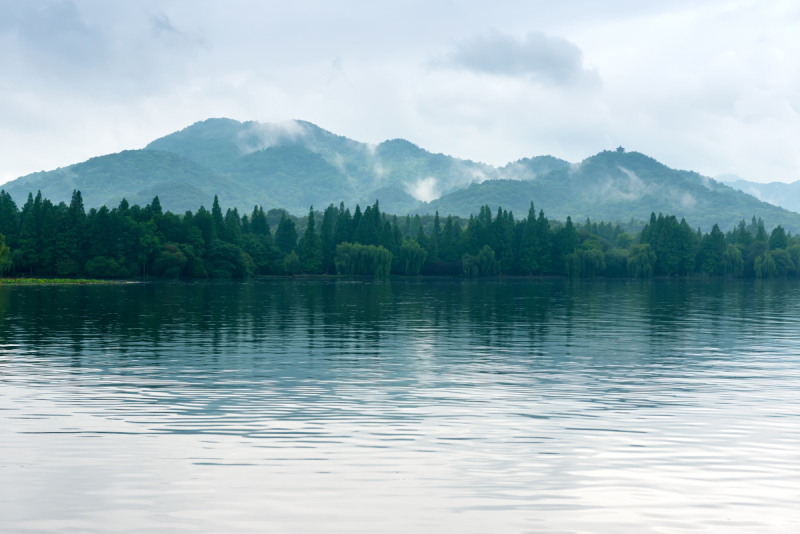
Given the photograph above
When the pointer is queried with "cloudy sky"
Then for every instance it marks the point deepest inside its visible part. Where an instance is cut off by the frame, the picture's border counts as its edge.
(710, 86)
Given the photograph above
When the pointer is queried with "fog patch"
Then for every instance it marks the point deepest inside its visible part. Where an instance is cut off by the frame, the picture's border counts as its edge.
(707, 182)
(516, 171)
(612, 189)
(688, 201)
(478, 176)
(338, 161)
(262, 136)
(424, 189)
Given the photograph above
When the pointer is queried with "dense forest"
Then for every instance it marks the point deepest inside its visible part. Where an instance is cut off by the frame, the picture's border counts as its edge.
(47, 239)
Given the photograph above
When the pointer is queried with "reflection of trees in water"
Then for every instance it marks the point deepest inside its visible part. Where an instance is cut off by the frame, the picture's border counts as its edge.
(354, 318)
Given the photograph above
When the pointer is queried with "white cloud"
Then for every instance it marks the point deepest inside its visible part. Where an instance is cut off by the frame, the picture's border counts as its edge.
(541, 57)
(711, 86)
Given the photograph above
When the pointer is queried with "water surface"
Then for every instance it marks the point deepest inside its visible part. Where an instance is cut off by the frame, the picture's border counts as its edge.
(406, 406)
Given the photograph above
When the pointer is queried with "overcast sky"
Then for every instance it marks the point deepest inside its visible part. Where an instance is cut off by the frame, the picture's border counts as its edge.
(709, 86)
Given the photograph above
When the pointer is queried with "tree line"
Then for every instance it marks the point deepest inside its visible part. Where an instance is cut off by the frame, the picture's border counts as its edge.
(46, 239)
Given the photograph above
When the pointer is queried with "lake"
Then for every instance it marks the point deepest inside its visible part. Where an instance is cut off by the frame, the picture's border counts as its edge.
(431, 405)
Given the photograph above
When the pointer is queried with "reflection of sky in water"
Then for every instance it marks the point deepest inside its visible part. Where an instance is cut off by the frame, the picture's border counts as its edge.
(433, 406)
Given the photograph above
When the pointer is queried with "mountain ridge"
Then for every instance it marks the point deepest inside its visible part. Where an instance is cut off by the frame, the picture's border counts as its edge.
(297, 164)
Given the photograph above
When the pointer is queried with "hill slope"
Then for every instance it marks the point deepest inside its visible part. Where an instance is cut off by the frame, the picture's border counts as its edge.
(133, 174)
(617, 186)
(358, 169)
(297, 164)
(778, 193)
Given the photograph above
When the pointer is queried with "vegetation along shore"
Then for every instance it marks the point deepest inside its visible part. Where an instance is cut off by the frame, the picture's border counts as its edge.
(44, 239)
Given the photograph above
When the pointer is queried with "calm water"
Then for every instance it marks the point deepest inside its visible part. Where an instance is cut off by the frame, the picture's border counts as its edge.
(419, 406)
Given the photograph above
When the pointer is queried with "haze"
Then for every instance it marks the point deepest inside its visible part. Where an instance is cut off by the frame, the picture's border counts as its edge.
(708, 86)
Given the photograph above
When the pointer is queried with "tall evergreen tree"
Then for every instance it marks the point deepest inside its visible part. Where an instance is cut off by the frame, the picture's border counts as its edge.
(761, 234)
(327, 239)
(259, 225)
(233, 227)
(286, 234)
(778, 239)
(342, 233)
(712, 249)
(529, 247)
(311, 258)
(216, 214)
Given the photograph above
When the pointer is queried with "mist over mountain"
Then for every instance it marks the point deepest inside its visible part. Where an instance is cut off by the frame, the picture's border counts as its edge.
(615, 186)
(777, 193)
(297, 164)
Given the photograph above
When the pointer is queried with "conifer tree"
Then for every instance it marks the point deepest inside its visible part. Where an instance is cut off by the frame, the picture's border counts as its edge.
(327, 239)
(233, 227)
(712, 249)
(216, 214)
(286, 234)
(343, 231)
(529, 247)
(204, 221)
(778, 239)
(258, 222)
(311, 258)
(761, 234)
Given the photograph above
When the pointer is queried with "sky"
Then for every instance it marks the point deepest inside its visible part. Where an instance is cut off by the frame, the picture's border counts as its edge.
(709, 86)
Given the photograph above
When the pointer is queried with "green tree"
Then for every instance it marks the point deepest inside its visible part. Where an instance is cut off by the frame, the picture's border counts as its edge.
(412, 257)
(204, 222)
(219, 222)
(225, 260)
(233, 227)
(623, 241)
(312, 247)
(355, 258)
(778, 239)
(732, 261)
(259, 225)
(765, 266)
(642, 261)
(343, 232)
(5, 262)
(761, 234)
(743, 236)
(286, 234)
(170, 262)
(712, 248)
(483, 264)
(291, 263)
(329, 219)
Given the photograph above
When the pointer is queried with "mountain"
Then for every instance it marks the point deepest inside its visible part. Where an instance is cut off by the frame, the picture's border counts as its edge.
(297, 164)
(259, 157)
(291, 165)
(135, 174)
(777, 193)
(615, 186)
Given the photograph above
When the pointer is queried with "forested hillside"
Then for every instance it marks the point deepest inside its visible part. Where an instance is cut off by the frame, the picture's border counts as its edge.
(778, 193)
(47, 239)
(138, 175)
(616, 186)
(296, 164)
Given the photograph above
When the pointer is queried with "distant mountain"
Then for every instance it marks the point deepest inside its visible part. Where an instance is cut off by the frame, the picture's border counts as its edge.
(616, 186)
(777, 193)
(134, 174)
(297, 164)
(276, 162)
(292, 166)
